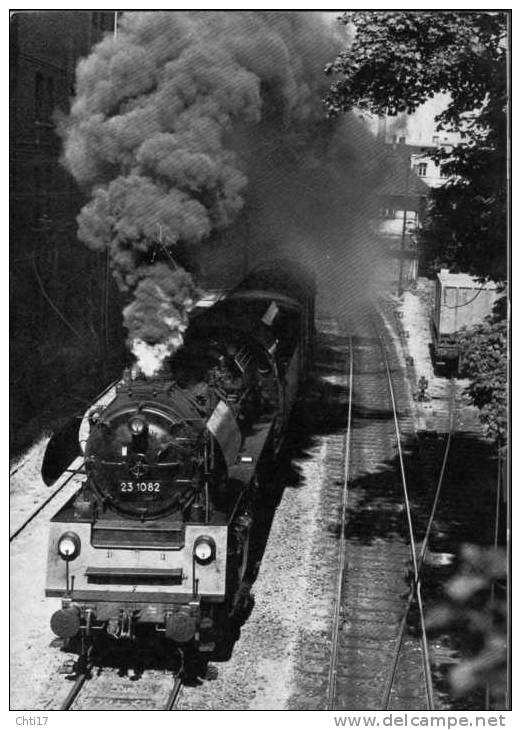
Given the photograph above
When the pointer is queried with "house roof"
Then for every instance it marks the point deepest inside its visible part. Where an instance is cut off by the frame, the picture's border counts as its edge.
(398, 177)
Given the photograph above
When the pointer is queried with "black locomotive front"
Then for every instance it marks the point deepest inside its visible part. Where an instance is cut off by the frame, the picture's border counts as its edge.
(159, 531)
(148, 456)
(157, 536)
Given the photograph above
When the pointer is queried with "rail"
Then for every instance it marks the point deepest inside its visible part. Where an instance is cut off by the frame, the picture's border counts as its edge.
(417, 560)
(333, 666)
(175, 692)
(74, 468)
(81, 680)
(73, 472)
(416, 586)
(74, 692)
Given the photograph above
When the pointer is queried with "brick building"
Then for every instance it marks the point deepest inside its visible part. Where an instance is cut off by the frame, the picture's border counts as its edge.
(44, 50)
(403, 192)
(59, 291)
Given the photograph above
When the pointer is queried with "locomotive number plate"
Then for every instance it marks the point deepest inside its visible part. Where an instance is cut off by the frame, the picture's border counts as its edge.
(139, 487)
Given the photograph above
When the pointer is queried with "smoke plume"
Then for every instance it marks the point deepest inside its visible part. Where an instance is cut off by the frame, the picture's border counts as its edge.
(202, 140)
(161, 132)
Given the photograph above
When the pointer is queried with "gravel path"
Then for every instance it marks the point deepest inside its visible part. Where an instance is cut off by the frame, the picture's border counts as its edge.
(292, 595)
(34, 657)
(259, 674)
(26, 487)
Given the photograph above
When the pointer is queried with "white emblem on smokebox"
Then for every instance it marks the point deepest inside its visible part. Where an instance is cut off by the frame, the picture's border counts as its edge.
(269, 315)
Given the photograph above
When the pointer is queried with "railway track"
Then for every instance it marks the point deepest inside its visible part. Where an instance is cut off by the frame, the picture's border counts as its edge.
(69, 474)
(375, 655)
(109, 691)
(75, 469)
(378, 655)
(376, 662)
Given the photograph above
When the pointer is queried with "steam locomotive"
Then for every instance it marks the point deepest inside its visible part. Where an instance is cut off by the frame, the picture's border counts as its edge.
(157, 537)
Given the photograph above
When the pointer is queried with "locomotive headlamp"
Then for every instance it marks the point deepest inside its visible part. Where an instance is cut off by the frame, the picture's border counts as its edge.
(69, 546)
(137, 425)
(204, 550)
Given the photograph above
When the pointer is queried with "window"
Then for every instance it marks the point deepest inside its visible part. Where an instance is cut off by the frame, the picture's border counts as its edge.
(48, 182)
(38, 96)
(37, 180)
(38, 207)
(42, 180)
(43, 98)
(422, 169)
(99, 24)
(49, 99)
(108, 19)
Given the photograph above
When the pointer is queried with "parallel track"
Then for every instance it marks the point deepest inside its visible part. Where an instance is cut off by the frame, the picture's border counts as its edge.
(358, 660)
(415, 591)
(356, 657)
(333, 666)
(75, 468)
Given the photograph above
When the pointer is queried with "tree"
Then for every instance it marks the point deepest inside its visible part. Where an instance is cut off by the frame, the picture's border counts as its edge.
(485, 362)
(397, 60)
(400, 59)
(476, 609)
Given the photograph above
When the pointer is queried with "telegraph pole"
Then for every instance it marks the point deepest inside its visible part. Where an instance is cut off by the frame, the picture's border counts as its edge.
(105, 316)
(404, 227)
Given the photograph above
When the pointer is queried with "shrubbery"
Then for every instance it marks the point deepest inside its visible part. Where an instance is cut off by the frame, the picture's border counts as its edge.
(485, 362)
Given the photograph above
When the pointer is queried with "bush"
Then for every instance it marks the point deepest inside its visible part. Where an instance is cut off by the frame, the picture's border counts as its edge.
(476, 609)
(485, 362)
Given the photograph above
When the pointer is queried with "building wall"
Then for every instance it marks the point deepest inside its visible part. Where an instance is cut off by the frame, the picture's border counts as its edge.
(60, 296)
(45, 48)
(409, 138)
(418, 128)
(426, 169)
(392, 223)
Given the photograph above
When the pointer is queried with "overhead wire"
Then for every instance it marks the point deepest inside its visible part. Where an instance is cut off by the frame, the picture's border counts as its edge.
(52, 304)
(464, 304)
